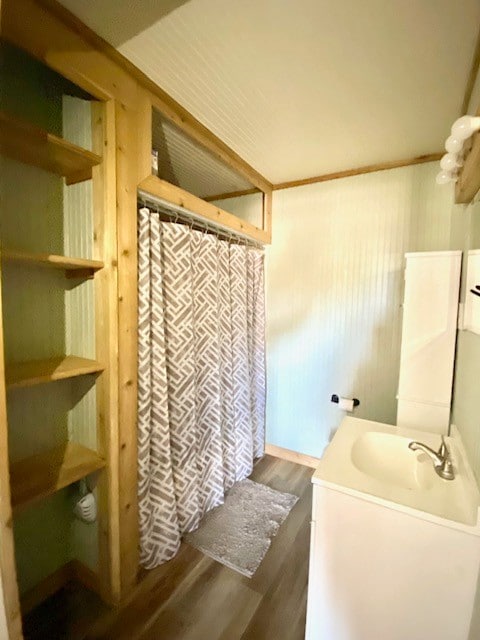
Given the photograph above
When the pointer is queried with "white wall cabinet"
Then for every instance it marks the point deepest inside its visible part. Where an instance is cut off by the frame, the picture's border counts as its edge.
(432, 284)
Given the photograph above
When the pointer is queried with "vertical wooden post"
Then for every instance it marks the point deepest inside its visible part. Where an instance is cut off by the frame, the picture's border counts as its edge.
(127, 173)
(144, 136)
(8, 574)
(267, 215)
(106, 328)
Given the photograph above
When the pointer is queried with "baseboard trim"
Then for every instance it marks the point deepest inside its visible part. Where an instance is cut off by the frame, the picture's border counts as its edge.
(69, 572)
(292, 456)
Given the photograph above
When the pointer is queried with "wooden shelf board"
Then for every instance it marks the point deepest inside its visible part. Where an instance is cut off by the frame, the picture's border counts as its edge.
(39, 476)
(74, 267)
(27, 143)
(27, 374)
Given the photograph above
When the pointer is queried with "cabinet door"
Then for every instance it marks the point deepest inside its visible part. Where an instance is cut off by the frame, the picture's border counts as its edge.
(432, 282)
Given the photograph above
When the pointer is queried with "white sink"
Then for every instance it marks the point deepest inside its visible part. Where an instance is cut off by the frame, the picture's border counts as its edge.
(387, 458)
(374, 459)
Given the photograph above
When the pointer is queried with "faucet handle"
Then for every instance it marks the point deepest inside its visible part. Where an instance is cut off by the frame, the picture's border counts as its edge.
(446, 470)
(444, 451)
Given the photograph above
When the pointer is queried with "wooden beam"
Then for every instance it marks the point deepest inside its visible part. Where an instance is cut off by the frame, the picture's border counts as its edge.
(267, 214)
(106, 333)
(92, 63)
(127, 172)
(8, 573)
(468, 182)
(144, 151)
(381, 166)
(166, 191)
(472, 76)
(232, 194)
(65, 48)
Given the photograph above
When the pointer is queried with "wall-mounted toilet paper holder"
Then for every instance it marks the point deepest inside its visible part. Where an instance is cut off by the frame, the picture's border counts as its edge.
(336, 399)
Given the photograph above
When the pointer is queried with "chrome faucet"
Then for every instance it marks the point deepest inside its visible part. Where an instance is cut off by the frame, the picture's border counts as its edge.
(442, 460)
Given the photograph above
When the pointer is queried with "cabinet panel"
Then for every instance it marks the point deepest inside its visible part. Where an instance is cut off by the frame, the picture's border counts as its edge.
(432, 282)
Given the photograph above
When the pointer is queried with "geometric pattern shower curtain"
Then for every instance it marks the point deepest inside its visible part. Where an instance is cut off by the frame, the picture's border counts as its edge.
(201, 376)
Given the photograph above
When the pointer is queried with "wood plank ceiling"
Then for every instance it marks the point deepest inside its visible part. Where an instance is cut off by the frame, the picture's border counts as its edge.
(303, 88)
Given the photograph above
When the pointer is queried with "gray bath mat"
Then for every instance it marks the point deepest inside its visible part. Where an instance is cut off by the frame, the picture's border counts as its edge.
(239, 532)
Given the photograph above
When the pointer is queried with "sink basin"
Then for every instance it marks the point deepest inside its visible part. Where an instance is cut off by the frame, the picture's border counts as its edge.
(372, 460)
(387, 458)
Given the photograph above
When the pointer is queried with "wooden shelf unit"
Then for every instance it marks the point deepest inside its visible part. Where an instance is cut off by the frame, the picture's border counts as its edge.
(39, 476)
(28, 374)
(31, 145)
(86, 217)
(73, 267)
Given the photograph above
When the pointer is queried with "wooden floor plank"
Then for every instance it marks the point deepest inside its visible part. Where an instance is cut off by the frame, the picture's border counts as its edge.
(210, 608)
(281, 614)
(193, 597)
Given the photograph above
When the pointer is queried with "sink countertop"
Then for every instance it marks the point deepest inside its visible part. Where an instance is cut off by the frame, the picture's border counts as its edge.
(452, 503)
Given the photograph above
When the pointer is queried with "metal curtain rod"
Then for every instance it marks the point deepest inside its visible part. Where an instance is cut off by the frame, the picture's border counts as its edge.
(180, 213)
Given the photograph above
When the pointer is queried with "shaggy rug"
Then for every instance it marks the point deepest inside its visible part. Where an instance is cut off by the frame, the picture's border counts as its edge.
(239, 532)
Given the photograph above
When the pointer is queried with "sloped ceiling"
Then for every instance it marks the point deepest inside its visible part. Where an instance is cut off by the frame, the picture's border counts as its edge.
(300, 88)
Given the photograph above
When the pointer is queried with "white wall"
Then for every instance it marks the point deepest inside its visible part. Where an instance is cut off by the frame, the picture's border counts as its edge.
(334, 290)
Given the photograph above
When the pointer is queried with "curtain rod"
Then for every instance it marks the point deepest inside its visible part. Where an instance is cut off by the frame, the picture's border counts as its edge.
(185, 215)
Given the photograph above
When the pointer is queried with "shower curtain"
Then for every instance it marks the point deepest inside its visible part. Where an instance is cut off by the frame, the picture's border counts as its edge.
(201, 376)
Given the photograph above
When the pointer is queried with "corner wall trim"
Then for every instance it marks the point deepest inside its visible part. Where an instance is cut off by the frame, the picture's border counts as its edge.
(292, 456)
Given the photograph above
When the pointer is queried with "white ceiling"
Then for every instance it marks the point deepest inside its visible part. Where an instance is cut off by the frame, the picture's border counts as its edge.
(300, 88)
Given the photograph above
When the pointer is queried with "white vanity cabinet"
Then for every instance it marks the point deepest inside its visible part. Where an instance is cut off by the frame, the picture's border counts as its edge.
(381, 570)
